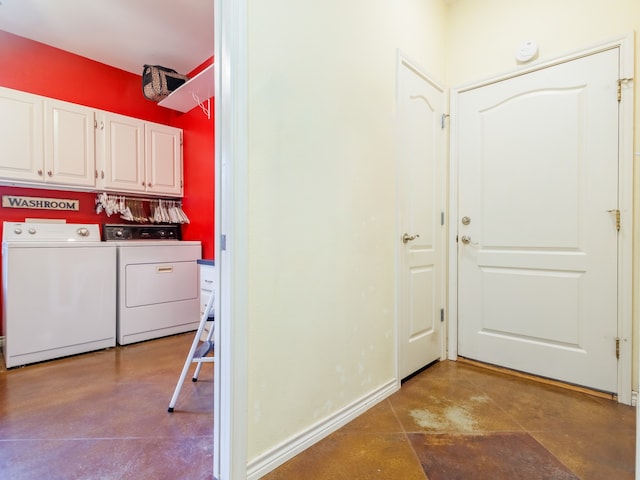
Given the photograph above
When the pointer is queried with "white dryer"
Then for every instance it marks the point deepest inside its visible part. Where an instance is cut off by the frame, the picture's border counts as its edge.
(158, 281)
(59, 291)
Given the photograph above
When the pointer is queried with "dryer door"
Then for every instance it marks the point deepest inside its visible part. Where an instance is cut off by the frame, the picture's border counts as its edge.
(153, 283)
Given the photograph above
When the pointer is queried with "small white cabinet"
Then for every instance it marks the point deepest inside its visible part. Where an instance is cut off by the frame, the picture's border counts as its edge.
(207, 283)
(163, 159)
(138, 156)
(207, 288)
(120, 153)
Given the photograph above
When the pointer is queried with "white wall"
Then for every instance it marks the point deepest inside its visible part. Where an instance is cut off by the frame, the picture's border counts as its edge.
(322, 214)
(321, 188)
(482, 37)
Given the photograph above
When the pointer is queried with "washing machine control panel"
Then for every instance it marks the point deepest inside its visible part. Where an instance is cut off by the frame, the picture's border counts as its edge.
(50, 232)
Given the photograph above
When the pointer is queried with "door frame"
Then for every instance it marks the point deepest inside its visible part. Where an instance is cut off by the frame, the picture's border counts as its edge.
(625, 202)
(231, 159)
(402, 58)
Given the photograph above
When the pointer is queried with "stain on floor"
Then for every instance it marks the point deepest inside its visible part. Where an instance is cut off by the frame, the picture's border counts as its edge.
(441, 415)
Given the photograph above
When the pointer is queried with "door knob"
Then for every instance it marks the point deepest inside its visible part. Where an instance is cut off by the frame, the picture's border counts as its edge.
(407, 238)
(465, 239)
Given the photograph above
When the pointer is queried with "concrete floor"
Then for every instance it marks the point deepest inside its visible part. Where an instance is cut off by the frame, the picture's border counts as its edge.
(458, 421)
(103, 415)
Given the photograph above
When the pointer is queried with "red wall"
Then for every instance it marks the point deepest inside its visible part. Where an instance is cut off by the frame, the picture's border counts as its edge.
(37, 68)
(198, 148)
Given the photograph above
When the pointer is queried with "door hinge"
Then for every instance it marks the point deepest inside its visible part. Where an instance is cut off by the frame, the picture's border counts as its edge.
(622, 81)
(442, 314)
(223, 242)
(442, 120)
(617, 212)
(441, 218)
(618, 348)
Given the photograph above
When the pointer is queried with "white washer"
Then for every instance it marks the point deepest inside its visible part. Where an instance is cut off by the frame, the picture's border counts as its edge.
(59, 291)
(158, 282)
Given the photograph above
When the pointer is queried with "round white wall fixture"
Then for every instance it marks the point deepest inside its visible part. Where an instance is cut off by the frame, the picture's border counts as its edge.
(527, 51)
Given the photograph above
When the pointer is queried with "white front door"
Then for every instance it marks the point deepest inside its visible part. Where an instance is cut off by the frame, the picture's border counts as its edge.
(537, 237)
(421, 182)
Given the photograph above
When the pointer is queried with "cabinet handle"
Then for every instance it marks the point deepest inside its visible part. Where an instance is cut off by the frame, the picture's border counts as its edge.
(149, 185)
(49, 173)
(143, 184)
(96, 173)
(40, 172)
(101, 173)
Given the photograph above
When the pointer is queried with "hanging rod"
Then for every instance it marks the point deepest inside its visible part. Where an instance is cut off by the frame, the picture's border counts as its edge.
(132, 209)
(141, 199)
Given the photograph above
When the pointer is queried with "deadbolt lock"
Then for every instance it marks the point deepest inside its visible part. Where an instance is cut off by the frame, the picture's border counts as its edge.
(466, 220)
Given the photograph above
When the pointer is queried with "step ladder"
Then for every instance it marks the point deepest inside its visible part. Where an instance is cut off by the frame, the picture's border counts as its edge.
(199, 349)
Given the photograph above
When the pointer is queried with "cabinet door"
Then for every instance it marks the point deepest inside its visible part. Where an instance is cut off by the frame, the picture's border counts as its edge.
(20, 136)
(69, 146)
(121, 153)
(163, 159)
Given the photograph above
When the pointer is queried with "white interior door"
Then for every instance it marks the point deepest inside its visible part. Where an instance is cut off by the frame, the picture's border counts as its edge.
(420, 201)
(538, 194)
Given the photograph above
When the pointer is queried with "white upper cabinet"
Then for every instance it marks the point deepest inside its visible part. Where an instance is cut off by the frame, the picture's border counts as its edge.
(69, 144)
(120, 153)
(46, 141)
(139, 157)
(49, 143)
(21, 140)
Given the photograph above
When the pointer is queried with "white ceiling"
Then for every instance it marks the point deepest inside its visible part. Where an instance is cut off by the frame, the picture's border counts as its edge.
(122, 33)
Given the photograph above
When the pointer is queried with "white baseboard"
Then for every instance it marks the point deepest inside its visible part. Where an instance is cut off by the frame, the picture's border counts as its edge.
(275, 457)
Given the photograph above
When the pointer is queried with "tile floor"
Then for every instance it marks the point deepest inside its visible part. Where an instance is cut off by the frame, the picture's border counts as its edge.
(103, 415)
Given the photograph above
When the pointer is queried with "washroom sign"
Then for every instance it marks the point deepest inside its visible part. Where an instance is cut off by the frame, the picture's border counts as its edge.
(38, 203)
